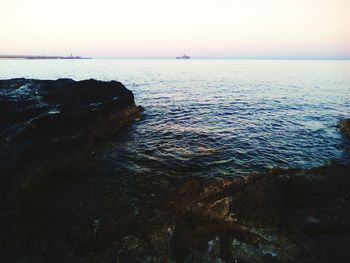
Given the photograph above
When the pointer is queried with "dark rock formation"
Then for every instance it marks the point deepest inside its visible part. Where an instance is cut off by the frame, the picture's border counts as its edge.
(281, 216)
(344, 126)
(48, 126)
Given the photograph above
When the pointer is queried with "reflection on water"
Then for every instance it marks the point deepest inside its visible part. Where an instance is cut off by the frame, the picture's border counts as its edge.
(217, 117)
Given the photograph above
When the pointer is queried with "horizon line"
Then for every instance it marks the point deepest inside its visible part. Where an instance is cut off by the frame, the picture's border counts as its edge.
(5, 56)
(214, 57)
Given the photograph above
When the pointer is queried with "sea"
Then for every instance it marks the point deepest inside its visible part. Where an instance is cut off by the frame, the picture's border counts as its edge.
(217, 117)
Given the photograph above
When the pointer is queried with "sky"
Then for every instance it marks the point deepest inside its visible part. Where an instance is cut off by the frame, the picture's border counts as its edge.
(164, 28)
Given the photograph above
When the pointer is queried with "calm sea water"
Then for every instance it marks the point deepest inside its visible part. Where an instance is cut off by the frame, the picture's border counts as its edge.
(217, 117)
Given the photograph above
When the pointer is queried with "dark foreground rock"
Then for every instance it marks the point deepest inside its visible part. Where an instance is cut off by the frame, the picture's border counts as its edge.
(344, 126)
(281, 216)
(47, 126)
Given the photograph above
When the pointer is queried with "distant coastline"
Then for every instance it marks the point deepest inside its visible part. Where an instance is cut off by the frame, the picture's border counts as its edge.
(41, 57)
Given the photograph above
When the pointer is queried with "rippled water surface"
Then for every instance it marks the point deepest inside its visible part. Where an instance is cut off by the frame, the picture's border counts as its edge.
(217, 117)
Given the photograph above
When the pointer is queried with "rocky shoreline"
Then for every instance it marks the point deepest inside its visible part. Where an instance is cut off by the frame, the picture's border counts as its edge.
(48, 126)
(51, 210)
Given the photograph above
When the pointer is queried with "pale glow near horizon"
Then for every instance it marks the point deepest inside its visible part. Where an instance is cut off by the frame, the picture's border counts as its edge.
(135, 28)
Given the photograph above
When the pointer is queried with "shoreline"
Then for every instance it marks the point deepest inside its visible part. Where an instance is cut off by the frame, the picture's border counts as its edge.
(59, 204)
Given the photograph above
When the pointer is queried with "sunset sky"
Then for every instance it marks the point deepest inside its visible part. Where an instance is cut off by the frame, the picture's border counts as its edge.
(162, 28)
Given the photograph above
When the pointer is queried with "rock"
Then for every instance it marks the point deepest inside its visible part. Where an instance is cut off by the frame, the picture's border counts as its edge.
(344, 126)
(280, 216)
(49, 126)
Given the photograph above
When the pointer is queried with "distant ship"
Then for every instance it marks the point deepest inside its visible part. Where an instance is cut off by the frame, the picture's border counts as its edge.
(183, 57)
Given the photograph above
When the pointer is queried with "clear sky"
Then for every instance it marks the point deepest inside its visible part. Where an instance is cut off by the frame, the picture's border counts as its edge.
(157, 28)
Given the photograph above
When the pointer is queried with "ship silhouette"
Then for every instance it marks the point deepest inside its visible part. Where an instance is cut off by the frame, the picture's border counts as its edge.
(183, 57)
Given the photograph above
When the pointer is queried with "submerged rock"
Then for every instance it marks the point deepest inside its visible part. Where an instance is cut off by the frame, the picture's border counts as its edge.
(48, 126)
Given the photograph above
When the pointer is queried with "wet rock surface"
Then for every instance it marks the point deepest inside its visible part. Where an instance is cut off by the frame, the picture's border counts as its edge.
(61, 211)
(224, 220)
(280, 216)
